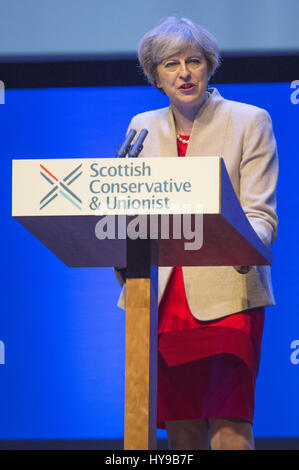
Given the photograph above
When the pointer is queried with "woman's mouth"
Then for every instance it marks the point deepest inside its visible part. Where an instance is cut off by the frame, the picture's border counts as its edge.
(187, 87)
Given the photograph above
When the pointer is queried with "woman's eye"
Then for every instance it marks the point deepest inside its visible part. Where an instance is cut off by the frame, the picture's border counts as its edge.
(194, 61)
(171, 64)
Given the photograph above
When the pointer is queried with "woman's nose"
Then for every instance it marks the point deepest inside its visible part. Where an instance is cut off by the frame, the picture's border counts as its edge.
(184, 71)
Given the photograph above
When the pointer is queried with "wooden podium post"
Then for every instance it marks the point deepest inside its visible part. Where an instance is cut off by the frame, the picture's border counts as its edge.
(141, 347)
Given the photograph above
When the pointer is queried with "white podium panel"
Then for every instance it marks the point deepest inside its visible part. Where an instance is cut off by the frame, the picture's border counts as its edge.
(69, 205)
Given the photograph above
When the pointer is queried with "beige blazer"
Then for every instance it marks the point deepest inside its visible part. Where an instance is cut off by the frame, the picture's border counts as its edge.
(241, 134)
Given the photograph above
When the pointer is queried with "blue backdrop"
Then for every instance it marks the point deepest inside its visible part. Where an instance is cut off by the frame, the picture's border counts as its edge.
(60, 329)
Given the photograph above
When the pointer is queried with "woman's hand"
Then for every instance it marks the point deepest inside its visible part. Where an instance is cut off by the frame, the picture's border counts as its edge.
(243, 269)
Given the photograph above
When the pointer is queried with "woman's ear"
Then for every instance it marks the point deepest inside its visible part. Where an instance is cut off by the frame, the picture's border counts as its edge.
(156, 80)
(159, 88)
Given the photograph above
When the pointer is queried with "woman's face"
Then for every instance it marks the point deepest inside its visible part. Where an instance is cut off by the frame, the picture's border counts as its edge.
(184, 78)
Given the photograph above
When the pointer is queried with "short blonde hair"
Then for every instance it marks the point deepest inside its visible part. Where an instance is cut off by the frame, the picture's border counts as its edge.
(171, 36)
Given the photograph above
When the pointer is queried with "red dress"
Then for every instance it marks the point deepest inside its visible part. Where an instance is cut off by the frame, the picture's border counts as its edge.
(205, 369)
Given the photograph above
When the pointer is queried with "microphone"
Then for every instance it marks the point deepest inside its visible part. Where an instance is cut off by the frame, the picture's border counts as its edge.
(126, 145)
(138, 145)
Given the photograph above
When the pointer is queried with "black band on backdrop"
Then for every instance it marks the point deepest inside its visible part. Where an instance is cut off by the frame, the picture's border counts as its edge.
(124, 71)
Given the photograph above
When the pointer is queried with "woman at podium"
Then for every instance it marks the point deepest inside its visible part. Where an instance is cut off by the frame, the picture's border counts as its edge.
(210, 318)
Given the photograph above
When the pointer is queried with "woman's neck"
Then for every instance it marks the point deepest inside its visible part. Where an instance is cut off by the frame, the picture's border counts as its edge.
(183, 123)
(184, 117)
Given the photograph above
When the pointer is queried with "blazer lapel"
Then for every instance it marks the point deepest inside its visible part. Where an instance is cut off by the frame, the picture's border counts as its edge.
(210, 128)
(167, 135)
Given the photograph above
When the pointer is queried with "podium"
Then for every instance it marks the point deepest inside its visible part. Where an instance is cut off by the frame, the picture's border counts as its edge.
(138, 214)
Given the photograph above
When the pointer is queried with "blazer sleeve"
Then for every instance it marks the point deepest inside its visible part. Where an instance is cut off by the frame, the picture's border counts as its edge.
(133, 125)
(258, 176)
(120, 274)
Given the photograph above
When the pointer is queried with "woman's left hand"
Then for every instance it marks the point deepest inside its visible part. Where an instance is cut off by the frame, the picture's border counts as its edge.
(243, 269)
